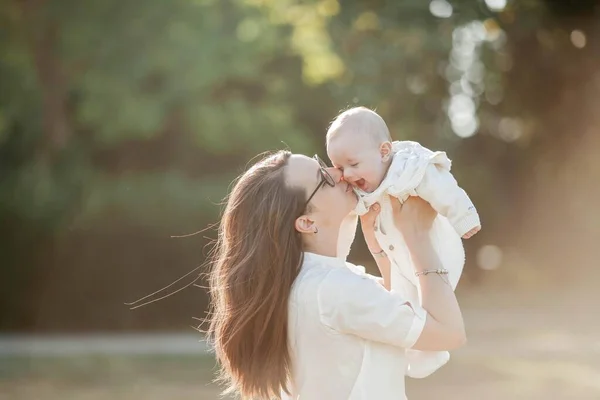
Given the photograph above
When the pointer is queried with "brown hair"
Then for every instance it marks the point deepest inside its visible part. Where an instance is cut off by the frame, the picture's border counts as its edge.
(257, 258)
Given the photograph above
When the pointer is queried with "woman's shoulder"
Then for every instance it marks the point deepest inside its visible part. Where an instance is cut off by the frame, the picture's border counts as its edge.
(350, 281)
(333, 274)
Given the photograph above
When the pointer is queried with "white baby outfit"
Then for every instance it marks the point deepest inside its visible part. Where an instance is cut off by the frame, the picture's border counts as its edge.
(417, 171)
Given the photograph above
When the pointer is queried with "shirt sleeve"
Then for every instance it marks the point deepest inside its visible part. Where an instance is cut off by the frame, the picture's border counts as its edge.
(356, 304)
(441, 190)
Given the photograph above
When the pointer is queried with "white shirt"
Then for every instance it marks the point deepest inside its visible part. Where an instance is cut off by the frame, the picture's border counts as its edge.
(347, 333)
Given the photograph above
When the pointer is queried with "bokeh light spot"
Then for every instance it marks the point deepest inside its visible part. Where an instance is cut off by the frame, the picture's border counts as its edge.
(416, 84)
(510, 129)
(440, 9)
(328, 8)
(367, 21)
(248, 30)
(578, 39)
(489, 257)
(496, 5)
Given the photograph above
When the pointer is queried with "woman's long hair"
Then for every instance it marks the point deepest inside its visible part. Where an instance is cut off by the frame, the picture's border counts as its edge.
(257, 258)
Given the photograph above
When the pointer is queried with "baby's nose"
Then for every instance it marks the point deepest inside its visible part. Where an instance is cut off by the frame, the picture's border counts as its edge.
(348, 176)
(336, 174)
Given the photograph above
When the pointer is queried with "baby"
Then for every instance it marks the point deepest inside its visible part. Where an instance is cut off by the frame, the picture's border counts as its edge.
(359, 143)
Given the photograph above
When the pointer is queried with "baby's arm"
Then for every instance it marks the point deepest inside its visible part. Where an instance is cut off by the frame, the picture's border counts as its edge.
(441, 190)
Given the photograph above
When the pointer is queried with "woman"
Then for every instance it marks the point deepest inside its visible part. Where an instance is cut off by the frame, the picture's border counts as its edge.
(290, 320)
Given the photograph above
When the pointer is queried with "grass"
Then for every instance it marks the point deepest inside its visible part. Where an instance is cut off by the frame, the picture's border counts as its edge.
(469, 375)
(108, 377)
(542, 350)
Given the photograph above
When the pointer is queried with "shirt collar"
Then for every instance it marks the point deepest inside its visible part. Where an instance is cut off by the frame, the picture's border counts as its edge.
(311, 259)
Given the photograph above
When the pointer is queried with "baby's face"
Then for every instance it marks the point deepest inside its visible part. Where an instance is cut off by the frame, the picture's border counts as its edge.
(360, 159)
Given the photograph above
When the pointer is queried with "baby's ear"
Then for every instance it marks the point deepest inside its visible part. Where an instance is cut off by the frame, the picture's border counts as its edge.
(385, 149)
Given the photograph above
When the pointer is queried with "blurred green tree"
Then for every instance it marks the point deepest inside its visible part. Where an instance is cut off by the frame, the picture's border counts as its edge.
(124, 122)
(132, 111)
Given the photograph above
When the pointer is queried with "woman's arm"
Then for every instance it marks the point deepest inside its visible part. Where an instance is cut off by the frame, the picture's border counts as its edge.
(444, 326)
(367, 224)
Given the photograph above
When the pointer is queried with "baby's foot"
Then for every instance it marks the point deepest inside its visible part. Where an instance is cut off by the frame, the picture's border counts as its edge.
(472, 232)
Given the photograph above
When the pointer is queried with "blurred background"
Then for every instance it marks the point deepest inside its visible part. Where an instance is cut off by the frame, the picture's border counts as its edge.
(122, 124)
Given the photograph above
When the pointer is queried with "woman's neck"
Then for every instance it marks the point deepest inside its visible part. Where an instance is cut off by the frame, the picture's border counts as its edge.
(324, 243)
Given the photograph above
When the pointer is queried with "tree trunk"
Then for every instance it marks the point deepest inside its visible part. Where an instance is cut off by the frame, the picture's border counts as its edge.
(43, 36)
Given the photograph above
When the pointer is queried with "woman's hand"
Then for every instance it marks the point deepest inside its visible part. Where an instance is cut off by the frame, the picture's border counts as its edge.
(413, 218)
(367, 224)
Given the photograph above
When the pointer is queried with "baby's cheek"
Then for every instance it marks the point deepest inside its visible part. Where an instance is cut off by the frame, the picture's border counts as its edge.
(376, 175)
(365, 174)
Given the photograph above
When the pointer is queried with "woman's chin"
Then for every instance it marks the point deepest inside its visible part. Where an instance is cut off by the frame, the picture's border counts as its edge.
(353, 201)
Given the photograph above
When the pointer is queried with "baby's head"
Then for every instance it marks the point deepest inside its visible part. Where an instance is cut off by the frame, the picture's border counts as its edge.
(359, 143)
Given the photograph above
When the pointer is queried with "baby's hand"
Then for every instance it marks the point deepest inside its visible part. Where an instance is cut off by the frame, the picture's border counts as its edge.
(472, 232)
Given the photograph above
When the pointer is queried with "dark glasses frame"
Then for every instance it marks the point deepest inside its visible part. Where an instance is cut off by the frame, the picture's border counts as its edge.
(326, 178)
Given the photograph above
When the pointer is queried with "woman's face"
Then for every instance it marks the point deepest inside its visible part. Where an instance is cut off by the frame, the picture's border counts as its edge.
(329, 204)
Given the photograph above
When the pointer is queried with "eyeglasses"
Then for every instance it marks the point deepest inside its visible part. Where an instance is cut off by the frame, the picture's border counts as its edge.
(326, 178)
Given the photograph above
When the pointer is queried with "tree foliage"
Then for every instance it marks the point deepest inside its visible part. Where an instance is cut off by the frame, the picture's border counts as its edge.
(121, 114)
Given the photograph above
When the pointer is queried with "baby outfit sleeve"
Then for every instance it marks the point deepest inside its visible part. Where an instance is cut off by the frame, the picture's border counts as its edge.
(355, 304)
(441, 190)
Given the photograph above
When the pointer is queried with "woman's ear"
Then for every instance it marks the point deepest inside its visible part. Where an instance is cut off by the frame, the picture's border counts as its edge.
(303, 224)
(385, 150)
